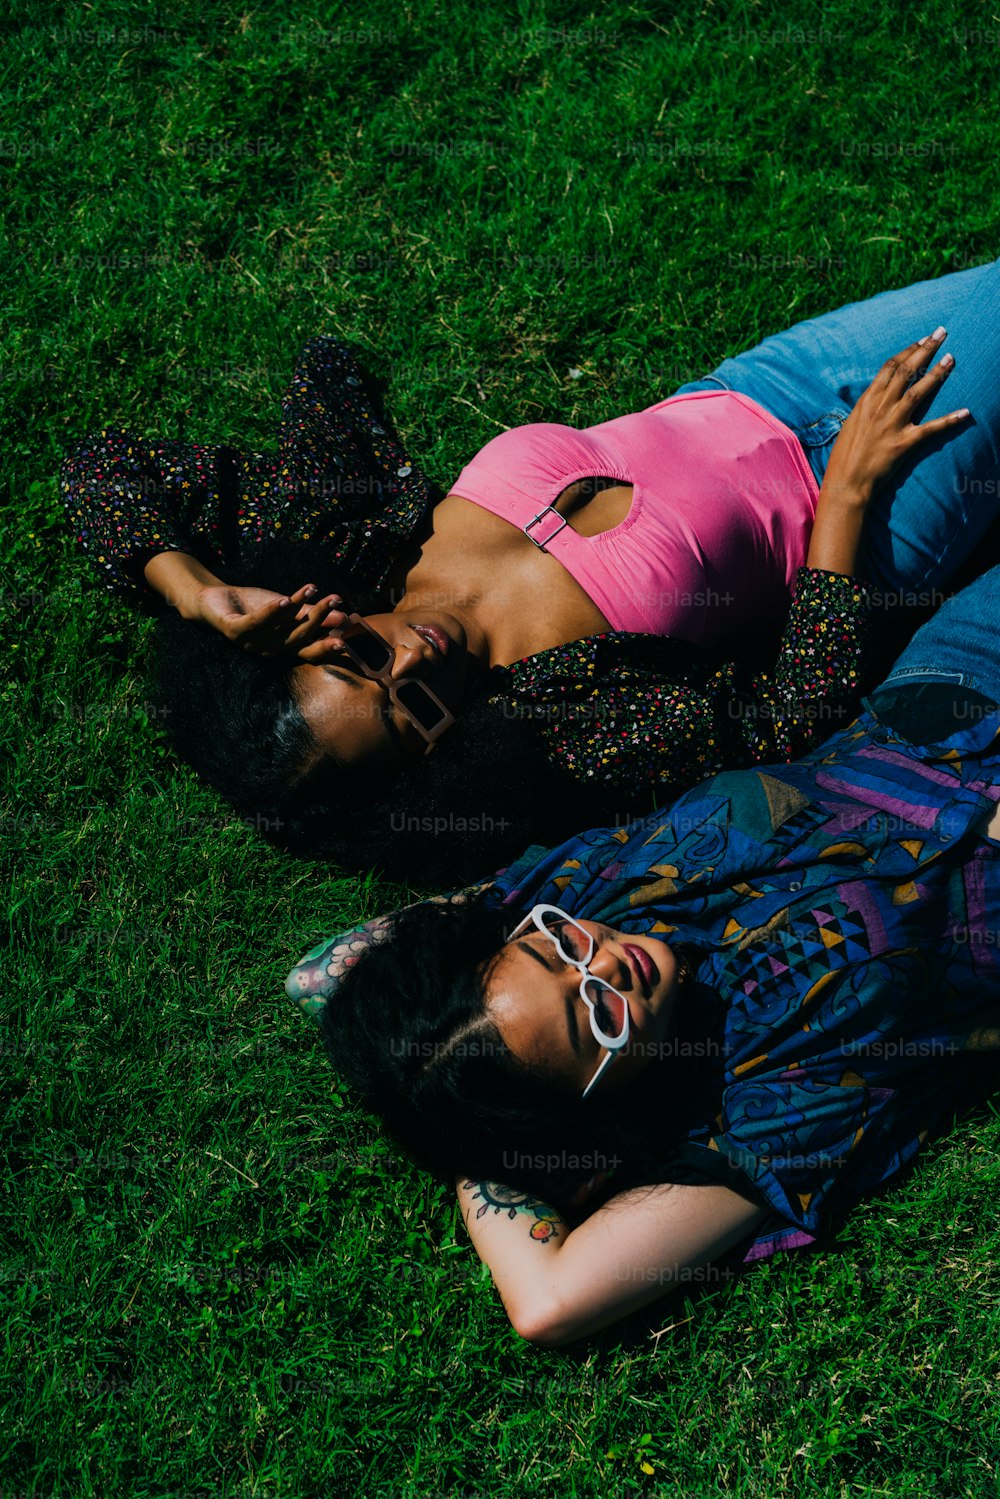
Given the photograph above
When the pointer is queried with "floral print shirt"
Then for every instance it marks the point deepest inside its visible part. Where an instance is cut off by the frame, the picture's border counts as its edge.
(628, 714)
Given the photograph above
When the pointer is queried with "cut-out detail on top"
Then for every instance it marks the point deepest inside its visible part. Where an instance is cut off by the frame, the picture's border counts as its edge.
(721, 508)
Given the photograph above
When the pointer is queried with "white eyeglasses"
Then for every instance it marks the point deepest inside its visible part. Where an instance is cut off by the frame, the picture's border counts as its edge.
(609, 1012)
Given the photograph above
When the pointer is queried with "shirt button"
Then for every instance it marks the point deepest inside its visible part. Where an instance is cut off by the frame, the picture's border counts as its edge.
(795, 885)
(401, 473)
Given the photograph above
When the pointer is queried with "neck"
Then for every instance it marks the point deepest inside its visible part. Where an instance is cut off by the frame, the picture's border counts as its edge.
(447, 567)
(482, 619)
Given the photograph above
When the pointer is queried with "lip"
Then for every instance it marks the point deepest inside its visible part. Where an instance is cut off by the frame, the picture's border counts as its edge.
(645, 968)
(434, 636)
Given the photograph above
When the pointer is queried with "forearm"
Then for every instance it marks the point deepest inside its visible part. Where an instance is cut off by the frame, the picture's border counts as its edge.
(178, 578)
(520, 1238)
(823, 665)
(838, 526)
(559, 1285)
(128, 500)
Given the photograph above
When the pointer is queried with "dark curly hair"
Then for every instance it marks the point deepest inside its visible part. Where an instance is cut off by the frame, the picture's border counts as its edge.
(409, 1033)
(486, 792)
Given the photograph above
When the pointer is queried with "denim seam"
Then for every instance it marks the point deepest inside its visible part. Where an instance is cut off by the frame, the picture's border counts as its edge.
(836, 415)
(926, 674)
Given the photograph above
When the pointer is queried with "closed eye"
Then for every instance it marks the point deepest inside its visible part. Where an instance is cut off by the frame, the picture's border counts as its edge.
(384, 711)
(572, 940)
(604, 1017)
(543, 956)
(345, 664)
(344, 674)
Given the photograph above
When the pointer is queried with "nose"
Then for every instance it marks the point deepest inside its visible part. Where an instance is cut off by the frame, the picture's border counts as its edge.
(409, 657)
(604, 964)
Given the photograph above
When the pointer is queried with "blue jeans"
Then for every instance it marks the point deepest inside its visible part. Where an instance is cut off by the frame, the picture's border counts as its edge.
(928, 517)
(960, 644)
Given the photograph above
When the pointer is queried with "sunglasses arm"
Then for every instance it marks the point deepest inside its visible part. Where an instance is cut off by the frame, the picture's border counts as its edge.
(606, 1061)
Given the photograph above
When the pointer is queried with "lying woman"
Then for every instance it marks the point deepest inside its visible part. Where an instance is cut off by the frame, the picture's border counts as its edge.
(580, 622)
(738, 1016)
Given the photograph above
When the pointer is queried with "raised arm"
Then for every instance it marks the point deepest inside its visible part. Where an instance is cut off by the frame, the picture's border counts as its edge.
(314, 981)
(560, 1284)
(129, 500)
(830, 635)
(822, 667)
(339, 474)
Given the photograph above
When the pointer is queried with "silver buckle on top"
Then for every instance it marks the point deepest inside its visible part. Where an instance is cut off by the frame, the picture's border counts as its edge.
(534, 522)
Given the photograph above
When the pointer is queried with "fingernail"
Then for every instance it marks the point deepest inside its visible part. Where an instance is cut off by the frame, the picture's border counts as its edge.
(939, 333)
(925, 340)
(948, 360)
(963, 411)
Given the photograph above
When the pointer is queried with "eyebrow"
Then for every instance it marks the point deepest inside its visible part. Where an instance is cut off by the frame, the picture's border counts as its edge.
(345, 676)
(571, 1024)
(356, 682)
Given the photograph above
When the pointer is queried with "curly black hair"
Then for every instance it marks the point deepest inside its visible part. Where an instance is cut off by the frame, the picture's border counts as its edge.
(409, 1032)
(486, 793)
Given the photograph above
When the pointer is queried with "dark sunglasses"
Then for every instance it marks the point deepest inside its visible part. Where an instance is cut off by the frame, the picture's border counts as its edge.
(375, 656)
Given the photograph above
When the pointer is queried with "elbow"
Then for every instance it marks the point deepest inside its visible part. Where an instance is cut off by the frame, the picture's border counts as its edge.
(310, 979)
(297, 983)
(304, 987)
(545, 1324)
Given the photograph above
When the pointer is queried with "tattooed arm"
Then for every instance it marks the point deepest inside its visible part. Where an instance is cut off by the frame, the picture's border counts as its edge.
(315, 980)
(559, 1285)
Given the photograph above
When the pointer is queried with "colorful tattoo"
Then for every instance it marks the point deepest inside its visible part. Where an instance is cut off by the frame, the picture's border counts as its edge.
(317, 978)
(511, 1201)
(315, 981)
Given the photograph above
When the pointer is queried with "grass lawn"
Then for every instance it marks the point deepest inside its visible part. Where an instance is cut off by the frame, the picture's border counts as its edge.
(216, 1279)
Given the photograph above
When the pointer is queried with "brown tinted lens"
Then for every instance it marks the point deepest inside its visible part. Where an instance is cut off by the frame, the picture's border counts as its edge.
(572, 940)
(419, 705)
(610, 1009)
(369, 649)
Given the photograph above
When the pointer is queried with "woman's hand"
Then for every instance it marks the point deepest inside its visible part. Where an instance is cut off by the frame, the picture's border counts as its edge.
(301, 625)
(256, 619)
(880, 431)
(877, 435)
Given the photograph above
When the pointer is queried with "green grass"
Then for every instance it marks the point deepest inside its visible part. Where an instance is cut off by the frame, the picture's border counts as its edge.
(215, 1278)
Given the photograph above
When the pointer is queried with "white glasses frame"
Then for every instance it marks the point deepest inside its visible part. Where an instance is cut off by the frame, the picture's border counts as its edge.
(612, 1044)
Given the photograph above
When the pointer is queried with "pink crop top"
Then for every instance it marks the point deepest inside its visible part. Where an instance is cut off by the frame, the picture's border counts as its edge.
(723, 502)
